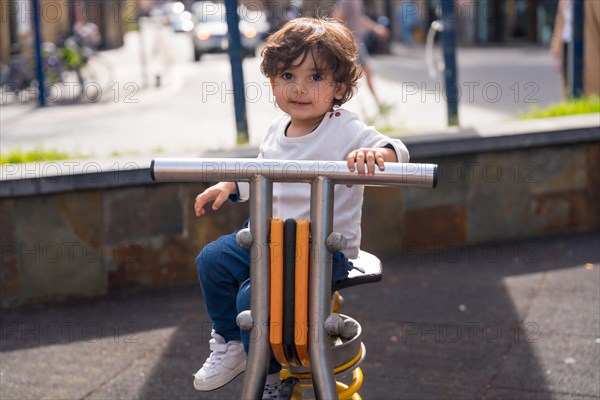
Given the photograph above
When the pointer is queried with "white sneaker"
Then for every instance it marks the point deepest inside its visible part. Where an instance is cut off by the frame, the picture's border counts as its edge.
(272, 387)
(227, 360)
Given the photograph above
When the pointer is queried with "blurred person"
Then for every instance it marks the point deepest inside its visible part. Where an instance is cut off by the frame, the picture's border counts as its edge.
(561, 40)
(312, 67)
(352, 13)
(591, 51)
(406, 19)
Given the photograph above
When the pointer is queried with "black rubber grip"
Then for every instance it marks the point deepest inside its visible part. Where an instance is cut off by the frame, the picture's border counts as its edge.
(289, 291)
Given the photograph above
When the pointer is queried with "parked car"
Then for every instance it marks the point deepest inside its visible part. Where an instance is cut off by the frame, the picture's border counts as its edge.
(181, 22)
(173, 14)
(210, 33)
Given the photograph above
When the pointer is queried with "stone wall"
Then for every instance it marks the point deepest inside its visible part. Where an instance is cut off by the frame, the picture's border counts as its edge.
(91, 242)
(489, 197)
(105, 229)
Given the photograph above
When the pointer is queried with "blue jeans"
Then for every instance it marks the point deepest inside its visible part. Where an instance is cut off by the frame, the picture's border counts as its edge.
(224, 273)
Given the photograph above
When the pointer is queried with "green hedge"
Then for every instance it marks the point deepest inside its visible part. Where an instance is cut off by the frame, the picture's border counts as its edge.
(37, 154)
(584, 105)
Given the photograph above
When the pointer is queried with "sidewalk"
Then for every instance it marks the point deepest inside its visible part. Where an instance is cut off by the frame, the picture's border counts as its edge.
(128, 92)
(192, 111)
(513, 320)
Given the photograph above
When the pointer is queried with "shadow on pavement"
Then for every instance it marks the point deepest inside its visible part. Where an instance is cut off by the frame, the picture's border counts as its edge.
(473, 322)
(512, 320)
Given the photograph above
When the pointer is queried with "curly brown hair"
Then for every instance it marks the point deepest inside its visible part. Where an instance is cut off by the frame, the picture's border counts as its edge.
(330, 44)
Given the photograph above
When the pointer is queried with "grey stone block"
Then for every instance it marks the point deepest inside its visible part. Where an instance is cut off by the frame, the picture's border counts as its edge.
(142, 213)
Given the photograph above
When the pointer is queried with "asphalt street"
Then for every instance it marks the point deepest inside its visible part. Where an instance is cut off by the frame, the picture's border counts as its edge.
(125, 113)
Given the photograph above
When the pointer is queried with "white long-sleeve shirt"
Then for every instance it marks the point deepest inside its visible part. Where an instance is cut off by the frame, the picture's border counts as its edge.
(337, 135)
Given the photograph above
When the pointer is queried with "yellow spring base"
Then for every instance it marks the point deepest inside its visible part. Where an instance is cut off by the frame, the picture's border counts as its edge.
(345, 392)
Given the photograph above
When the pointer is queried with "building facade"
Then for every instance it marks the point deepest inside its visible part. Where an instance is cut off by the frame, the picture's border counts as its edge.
(57, 18)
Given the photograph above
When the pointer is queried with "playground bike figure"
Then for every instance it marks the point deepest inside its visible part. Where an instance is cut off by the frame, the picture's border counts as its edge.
(311, 65)
(320, 346)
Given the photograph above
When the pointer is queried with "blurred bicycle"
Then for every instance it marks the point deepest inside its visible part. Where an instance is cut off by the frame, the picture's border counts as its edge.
(19, 76)
(80, 55)
(73, 71)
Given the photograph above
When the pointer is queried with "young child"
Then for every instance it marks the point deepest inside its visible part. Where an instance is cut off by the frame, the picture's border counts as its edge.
(312, 67)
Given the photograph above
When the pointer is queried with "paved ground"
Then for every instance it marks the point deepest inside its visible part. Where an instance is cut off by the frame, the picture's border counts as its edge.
(515, 320)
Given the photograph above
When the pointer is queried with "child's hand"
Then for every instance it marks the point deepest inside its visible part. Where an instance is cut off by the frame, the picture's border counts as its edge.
(217, 194)
(358, 158)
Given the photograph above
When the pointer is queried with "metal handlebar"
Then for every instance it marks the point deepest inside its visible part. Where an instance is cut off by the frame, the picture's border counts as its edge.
(246, 169)
(322, 176)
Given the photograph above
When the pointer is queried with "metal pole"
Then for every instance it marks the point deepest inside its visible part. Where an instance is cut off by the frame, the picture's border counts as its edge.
(72, 16)
(12, 24)
(235, 51)
(319, 301)
(261, 210)
(482, 21)
(450, 73)
(389, 13)
(576, 50)
(39, 66)
(143, 58)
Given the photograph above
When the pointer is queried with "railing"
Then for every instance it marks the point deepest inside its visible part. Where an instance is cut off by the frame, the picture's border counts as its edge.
(322, 176)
